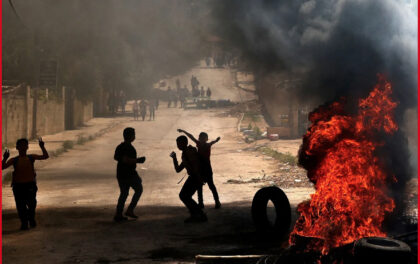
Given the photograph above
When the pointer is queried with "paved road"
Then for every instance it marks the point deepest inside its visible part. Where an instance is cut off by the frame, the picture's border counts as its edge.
(78, 192)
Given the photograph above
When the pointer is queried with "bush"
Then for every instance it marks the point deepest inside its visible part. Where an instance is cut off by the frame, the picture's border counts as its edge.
(8, 177)
(68, 144)
(81, 140)
(282, 157)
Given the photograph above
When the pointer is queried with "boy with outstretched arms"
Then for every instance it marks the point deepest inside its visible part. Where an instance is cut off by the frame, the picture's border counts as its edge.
(24, 180)
(191, 162)
(204, 149)
(127, 175)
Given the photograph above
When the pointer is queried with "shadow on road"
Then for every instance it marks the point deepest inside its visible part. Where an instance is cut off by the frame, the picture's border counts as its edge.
(158, 234)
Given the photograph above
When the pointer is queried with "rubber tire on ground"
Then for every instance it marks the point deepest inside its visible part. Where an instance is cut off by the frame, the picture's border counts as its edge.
(381, 250)
(283, 211)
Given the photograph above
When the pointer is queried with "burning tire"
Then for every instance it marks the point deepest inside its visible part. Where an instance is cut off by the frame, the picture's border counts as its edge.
(282, 207)
(381, 250)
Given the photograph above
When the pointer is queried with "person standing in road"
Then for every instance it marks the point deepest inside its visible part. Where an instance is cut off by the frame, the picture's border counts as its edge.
(183, 96)
(136, 110)
(122, 101)
(169, 95)
(208, 93)
(191, 162)
(143, 109)
(24, 180)
(192, 82)
(175, 95)
(156, 102)
(151, 110)
(127, 176)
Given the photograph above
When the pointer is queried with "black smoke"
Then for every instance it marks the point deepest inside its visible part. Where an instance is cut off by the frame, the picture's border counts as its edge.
(340, 46)
(337, 48)
(111, 44)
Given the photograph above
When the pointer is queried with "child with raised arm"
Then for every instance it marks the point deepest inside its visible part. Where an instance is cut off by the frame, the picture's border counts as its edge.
(204, 149)
(24, 180)
(190, 162)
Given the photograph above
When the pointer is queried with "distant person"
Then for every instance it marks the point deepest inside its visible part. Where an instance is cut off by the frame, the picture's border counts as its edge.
(208, 61)
(175, 96)
(123, 101)
(202, 92)
(169, 94)
(151, 111)
(183, 96)
(143, 109)
(111, 106)
(192, 82)
(127, 176)
(204, 150)
(195, 92)
(196, 82)
(208, 92)
(156, 102)
(187, 92)
(191, 162)
(24, 180)
(136, 110)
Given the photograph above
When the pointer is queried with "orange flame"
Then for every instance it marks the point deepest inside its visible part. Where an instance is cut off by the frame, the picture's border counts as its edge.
(350, 201)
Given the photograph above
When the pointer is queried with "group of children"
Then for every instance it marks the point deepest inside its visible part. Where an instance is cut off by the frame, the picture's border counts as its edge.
(196, 161)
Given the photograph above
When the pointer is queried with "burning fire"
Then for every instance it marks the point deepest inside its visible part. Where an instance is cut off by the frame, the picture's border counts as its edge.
(338, 152)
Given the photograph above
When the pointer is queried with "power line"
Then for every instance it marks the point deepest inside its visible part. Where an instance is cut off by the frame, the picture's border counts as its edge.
(16, 14)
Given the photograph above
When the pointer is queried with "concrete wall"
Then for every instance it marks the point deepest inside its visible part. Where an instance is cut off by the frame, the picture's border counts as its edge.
(281, 108)
(13, 119)
(82, 112)
(49, 117)
(18, 115)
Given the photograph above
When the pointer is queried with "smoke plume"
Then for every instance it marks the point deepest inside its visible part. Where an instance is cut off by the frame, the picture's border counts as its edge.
(336, 48)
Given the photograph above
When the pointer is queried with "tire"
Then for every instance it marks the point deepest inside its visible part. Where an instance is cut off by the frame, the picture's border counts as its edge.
(283, 211)
(381, 250)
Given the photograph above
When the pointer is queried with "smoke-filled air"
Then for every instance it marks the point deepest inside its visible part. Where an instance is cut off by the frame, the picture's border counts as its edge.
(210, 131)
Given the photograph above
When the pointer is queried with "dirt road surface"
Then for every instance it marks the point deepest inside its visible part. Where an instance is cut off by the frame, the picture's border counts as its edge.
(78, 192)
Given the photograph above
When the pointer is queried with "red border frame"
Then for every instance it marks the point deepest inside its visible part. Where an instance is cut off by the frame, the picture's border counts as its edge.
(1, 174)
(418, 120)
